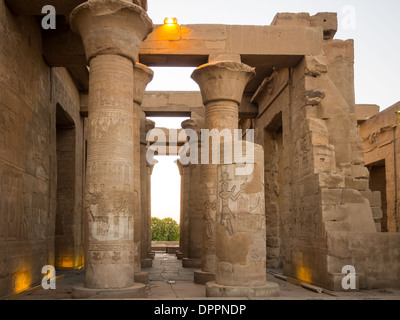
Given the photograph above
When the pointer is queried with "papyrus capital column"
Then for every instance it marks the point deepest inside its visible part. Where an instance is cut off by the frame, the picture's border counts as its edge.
(241, 227)
(222, 84)
(112, 32)
(146, 255)
(111, 27)
(195, 219)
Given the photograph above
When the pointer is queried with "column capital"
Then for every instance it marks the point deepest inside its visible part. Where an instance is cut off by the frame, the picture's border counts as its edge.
(223, 80)
(111, 27)
(142, 75)
(150, 125)
(191, 124)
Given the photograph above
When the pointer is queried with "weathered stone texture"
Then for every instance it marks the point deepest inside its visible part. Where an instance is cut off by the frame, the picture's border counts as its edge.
(29, 92)
(380, 136)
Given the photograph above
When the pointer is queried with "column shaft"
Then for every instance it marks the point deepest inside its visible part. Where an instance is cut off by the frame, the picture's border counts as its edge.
(109, 206)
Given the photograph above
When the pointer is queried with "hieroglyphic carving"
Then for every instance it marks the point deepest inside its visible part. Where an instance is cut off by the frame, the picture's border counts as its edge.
(208, 220)
(226, 195)
(109, 213)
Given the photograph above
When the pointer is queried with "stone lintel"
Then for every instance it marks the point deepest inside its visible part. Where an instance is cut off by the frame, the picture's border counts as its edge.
(211, 40)
(182, 104)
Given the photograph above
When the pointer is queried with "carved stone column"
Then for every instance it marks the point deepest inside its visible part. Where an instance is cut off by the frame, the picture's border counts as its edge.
(195, 211)
(112, 32)
(240, 227)
(222, 85)
(146, 254)
(183, 224)
(142, 75)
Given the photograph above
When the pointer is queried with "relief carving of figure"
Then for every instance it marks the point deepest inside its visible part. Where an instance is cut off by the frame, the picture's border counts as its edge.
(226, 213)
(207, 218)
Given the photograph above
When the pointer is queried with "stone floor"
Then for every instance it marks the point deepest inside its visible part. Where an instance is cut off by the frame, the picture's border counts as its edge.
(169, 281)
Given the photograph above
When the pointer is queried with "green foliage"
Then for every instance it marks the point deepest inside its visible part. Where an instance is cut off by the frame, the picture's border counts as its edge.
(164, 230)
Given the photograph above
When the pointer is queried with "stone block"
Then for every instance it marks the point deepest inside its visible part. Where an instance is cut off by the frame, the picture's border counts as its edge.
(331, 180)
(357, 184)
(315, 65)
(359, 172)
(318, 138)
(291, 19)
(352, 196)
(327, 21)
(374, 197)
(336, 264)
(377, 213)
(324, 158)
(333, 213)
(331, 196)
(335, 282)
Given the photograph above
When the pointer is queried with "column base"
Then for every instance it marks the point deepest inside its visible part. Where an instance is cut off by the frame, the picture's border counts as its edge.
(142, 277)
(172, 250)
(202, 277)
(191, 263)
(267, 290)
(146, 263)
(181, 255)
(138, 290)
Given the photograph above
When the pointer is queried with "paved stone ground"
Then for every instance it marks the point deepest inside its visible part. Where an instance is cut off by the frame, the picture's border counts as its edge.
(169, 281)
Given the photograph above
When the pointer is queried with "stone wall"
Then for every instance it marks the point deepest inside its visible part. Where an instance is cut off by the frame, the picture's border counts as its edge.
(381, 143)
(28, 159)
(319, 206)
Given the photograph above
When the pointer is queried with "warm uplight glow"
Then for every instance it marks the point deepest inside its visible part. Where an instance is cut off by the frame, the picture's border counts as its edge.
(170, 21)
(304, 275)
(22, 281)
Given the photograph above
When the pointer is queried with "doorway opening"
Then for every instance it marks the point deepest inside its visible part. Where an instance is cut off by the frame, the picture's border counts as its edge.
(377, 182)
(273, 151)
(67, 252)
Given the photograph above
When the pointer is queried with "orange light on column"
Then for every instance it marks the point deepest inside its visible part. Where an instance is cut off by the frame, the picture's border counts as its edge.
(170, 21)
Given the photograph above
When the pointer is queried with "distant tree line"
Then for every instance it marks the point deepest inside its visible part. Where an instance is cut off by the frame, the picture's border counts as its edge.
(164, 230)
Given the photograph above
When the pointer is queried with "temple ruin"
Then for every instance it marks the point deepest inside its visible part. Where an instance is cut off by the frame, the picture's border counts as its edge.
(75, 188)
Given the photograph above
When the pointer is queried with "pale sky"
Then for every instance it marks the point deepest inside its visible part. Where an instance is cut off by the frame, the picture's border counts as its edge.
(373, 25)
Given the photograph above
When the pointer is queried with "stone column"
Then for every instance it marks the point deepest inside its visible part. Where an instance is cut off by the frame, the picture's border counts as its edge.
(195, 223)
(112, 32)
(222, 84)
(240, 228)
(146, 254)
(142, 75)
(183, 237)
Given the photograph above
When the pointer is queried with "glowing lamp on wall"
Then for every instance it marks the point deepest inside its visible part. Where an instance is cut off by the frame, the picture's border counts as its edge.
(171, 21)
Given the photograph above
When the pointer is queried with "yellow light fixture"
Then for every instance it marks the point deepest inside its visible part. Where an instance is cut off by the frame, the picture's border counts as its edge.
(170, 21)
